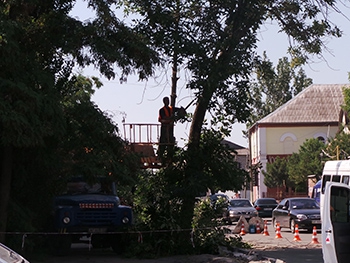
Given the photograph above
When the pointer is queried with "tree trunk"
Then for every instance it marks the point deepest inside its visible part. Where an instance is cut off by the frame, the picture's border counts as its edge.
(198, 119)
(5, 186)
(193, 149)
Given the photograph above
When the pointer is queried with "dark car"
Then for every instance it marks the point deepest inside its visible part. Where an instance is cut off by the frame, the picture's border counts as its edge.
(264, 206)
(239, 207)
(303, 211)
(215, 197)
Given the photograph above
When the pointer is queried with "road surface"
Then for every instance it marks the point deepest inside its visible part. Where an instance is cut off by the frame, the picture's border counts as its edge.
(285, 249)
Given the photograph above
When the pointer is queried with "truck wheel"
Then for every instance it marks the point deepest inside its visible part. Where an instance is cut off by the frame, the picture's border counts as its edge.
(99, 241)
(60, 245)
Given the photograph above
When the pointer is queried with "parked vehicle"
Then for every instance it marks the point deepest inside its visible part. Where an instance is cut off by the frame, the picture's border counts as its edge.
(7, 255)
(215, 197)
(336, 223)
(316, 191)
(335, 200)
(239, 207)
(303, 211)
(264, 206)
(90, 208)
(335, 171)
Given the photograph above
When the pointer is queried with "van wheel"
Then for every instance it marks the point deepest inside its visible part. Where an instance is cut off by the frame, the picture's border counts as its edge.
(292, 226)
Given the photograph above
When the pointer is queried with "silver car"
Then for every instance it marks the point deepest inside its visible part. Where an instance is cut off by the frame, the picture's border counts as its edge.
(240, 207)
(7, 255)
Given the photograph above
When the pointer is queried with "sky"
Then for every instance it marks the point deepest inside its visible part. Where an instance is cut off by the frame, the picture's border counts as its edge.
(139, 102)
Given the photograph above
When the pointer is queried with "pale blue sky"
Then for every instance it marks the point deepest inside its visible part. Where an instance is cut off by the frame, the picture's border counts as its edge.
(140, 101)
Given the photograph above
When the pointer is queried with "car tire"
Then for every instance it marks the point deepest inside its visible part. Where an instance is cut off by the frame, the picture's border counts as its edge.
(292, 226)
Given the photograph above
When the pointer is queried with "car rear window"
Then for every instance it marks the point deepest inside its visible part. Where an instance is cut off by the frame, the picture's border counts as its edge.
(240, 203)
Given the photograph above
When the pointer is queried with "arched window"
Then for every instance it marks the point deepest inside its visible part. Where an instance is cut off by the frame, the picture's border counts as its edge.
(288, 140)
(321, 137)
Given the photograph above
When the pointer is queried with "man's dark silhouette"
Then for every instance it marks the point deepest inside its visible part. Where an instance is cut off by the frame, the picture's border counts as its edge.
(166, 117)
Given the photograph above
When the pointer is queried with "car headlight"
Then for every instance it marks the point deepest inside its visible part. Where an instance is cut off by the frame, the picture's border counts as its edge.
(233, 212)
(301, 216)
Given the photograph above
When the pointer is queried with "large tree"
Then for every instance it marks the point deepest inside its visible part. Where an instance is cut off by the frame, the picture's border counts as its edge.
(216, 41)
(274, 86)
(40, 45)
(306, 162)
(89, 144)
(276, 174)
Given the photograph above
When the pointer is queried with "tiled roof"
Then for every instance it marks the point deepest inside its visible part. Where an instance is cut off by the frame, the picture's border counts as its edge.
(232, 145)
(317, 103)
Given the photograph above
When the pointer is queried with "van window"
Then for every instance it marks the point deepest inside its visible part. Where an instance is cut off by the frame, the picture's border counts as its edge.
(325, 178)
(345, 179)
(340, 205)
(336, 178)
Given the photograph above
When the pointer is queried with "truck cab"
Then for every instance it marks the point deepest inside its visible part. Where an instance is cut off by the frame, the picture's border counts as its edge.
(336, 223)
(91, 209)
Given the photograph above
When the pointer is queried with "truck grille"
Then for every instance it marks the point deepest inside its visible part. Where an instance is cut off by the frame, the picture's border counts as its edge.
(96, 217)
(95, 205)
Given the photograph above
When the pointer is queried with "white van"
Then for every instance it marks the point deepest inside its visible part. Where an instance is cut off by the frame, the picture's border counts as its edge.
(335, 211)
(336, 223)
(335, 171)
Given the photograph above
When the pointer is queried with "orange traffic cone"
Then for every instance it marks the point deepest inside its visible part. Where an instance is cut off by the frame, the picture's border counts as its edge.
(242, 230)
(258, 231)
(314, 236)
(278, 231)
(266, 233)
(296, 233)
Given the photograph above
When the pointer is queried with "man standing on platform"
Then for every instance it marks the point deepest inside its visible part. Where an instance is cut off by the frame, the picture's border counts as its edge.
(167, 116)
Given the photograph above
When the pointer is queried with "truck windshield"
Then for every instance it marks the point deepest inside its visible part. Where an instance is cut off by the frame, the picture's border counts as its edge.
(85, 188)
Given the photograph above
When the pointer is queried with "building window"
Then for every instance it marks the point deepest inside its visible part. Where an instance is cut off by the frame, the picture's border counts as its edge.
(288, 140)
(321, 139)
(288, 145)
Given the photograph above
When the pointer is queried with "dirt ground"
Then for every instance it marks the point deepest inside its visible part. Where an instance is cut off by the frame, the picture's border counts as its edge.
(204, 258)
(81, 254)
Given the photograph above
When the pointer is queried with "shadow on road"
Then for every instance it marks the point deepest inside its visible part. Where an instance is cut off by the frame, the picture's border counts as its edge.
(295, 255)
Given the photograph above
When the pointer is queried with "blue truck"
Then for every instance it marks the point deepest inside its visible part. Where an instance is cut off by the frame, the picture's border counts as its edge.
(90, 212)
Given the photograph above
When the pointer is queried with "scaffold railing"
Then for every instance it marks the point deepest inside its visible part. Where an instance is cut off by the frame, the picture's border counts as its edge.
(146, 133)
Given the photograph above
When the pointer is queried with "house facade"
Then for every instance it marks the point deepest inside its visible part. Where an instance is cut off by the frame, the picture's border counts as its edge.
(313, 113)
(242, 158)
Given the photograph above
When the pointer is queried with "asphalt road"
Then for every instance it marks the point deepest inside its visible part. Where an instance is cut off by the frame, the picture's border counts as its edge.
(286, 248)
